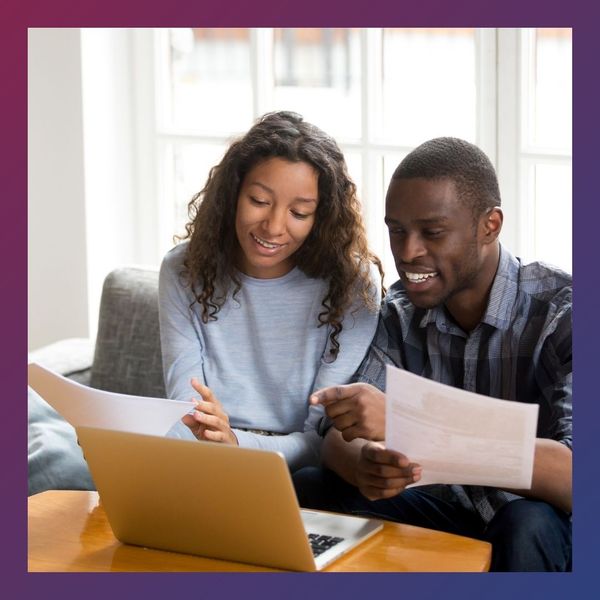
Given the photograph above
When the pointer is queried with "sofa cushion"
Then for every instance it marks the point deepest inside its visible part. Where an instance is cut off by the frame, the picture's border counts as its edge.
(54, 459)
(127, 358)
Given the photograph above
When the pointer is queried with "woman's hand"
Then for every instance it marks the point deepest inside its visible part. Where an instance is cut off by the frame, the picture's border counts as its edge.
(209, 421)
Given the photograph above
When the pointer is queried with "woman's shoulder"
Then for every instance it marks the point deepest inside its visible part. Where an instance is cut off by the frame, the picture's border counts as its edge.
(173, 259)
(171, 267)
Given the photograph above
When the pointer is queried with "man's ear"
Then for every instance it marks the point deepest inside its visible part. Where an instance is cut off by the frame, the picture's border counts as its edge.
(491, 224)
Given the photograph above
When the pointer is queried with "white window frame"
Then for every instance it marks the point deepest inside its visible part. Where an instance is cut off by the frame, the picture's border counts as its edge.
(500, 84)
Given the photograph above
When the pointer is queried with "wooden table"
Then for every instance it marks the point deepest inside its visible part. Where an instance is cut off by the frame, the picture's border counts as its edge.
(68, 531)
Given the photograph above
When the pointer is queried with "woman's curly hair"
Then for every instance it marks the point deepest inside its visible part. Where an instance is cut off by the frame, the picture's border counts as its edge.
(336, 248)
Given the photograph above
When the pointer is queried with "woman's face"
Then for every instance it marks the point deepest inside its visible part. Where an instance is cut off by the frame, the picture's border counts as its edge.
(275, 213)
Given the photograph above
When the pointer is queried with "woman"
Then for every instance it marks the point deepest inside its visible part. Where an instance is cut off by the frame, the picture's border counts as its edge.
(272, 295)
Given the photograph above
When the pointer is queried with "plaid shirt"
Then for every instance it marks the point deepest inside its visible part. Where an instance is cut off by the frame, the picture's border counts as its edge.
(520, 351)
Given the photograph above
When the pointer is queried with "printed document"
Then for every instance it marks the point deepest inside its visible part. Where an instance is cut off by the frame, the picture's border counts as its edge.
(459, 437)
(82, 405)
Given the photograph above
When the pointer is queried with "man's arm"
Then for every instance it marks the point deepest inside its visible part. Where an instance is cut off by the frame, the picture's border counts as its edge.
(341, 456)
(552, 479)
(552, 466)
(358, 411)
(378, 473)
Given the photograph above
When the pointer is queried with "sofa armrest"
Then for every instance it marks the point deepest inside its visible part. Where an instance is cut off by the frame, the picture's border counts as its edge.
(54, 458)
(70, 357)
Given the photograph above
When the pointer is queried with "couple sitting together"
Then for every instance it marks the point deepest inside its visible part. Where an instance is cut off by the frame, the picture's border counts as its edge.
(272, 319)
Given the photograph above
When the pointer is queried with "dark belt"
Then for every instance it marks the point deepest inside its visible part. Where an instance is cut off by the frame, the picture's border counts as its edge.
(261, 431)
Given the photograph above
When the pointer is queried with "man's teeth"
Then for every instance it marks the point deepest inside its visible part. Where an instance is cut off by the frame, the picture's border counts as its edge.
(419, 277)
(265, 244)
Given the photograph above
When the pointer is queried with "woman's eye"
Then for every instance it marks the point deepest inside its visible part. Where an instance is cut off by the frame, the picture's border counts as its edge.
(301, 216)
(257, 201)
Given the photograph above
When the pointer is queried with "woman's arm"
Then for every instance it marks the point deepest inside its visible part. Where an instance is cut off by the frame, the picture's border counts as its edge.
(182, 354)
(358, 328)
(181, 343)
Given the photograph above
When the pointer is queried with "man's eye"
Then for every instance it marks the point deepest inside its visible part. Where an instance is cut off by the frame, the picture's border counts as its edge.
(396, 231)
(433, 233)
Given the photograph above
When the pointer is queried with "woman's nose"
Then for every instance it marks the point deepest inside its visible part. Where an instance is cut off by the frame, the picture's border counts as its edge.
(274, 224)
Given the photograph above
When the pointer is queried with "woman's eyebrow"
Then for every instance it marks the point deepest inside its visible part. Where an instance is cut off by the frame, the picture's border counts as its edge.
(263, 186)
(270, 191)
(300, 199)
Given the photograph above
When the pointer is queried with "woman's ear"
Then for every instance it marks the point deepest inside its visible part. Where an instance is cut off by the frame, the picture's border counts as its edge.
(491, 224)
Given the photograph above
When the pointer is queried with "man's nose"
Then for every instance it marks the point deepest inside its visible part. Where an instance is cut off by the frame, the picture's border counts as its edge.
(410, 248)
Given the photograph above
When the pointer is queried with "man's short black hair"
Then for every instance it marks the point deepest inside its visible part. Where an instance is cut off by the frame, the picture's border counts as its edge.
(462, 162)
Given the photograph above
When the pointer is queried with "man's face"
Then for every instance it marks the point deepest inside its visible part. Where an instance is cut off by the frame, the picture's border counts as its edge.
(435, 241)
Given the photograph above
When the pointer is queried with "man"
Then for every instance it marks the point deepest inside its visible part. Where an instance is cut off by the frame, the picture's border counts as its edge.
(465, 312)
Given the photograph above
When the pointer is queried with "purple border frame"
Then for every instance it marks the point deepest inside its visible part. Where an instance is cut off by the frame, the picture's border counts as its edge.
(18, 16)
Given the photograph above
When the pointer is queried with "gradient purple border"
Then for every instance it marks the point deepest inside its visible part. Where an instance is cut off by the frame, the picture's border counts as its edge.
(17, 16)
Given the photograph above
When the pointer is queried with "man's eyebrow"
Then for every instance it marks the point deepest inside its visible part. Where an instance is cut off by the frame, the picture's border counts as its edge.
(270, 191)
(424, 221)
(432, 220)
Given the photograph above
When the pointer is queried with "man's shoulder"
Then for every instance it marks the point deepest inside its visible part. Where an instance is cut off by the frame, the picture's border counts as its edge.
(396, 294)
(396, 301)
(546, 283)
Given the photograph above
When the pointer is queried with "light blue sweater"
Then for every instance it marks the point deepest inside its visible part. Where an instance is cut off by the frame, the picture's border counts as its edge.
(262, 357)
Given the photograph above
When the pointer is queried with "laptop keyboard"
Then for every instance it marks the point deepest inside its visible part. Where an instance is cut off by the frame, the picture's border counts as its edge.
(320, 543)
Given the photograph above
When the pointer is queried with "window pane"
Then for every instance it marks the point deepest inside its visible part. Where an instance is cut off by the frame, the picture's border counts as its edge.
(549, 82)
(354, 163)
(317, 73)
(429, 85)
(210, 83)
(553, 218)
(191, 164)
(390, 161)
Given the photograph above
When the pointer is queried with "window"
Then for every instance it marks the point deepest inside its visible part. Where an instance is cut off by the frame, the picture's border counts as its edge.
(379, 92)
(546, 131)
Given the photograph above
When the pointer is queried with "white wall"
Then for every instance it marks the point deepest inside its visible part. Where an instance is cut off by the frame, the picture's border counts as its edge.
(110, 160)
(82, 164)
(57, 271)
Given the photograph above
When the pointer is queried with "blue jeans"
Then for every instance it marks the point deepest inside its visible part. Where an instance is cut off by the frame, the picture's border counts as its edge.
(526, 535)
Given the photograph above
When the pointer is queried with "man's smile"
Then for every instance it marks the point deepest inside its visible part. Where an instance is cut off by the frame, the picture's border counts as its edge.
(419, 277)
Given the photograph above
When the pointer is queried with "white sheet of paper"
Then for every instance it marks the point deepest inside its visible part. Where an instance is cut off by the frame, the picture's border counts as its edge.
(459, 437)
(82, 405)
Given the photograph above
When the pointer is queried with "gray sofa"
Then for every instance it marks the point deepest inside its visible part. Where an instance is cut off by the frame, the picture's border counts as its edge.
(125, 358)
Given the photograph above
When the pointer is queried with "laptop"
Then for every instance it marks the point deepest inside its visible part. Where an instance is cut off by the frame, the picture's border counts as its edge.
(213, 500)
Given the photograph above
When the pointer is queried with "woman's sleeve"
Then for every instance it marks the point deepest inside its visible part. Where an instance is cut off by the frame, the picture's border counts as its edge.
(358, 328)
(300, 448)
(181, 344)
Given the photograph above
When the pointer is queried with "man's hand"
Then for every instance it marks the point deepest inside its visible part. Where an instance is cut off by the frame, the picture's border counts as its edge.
(357, 410)
(383, 473)
(209, 421)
